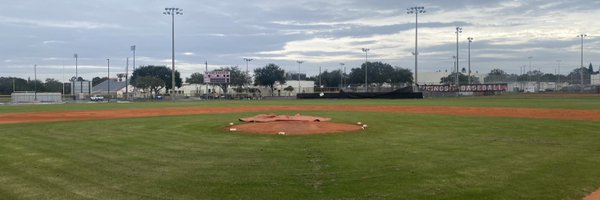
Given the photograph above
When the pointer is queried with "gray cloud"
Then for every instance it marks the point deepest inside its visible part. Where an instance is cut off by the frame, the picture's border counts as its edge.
(323, 33)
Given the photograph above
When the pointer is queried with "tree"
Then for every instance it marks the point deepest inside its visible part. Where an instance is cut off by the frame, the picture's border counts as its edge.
(402, 75)
(462, 79)
(379, 73)
(161, 72)
(575, 76)
(496, 76)
(330, 79)
(195, 78)
(268, 75)
(7, 83)
(78, 79)
(53, 85)
(152, 83)
(236, 78)
(98, 80)
(289, 89)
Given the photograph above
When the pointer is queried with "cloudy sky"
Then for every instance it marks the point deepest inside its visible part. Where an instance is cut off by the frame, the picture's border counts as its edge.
(323, 33)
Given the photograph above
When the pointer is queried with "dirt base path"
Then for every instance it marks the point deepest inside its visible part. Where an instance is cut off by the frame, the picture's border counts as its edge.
(594, 196)
(564, 114)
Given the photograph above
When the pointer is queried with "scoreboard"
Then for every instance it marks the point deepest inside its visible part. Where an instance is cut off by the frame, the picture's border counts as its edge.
(219, 76)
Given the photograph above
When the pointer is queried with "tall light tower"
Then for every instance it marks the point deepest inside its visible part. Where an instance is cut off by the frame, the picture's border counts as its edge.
(173, 12)
(299, 63)
(35, 82)
(366, 67)
(458, 31)
(133, 50)
(247, 60)
(558, 72)
(581, 70)
(341, 75)
(416, 11)
(108, 76)
(76, 75)
(529, 72)
(469, 77)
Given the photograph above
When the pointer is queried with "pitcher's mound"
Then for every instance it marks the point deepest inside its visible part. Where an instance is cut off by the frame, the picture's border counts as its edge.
(296, 127)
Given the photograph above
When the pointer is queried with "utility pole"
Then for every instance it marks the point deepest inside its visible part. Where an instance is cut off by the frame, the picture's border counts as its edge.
(35, 82)
(134, 84)
(127, 79)
(366, 67)
(416, 11)
(341, 76)
(108, 76)
(558, 73)
(529, 72)
(299, 63)
(206, 81)
(320, 74)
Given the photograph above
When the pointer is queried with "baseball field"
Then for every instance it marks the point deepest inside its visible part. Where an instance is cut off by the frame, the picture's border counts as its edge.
(502, 147)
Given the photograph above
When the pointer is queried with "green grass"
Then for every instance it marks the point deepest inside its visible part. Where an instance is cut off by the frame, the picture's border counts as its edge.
(401, 156)
(590, 102)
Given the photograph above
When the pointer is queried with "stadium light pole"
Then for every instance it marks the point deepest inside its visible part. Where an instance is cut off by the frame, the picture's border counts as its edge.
(581, 70)
(469, 77)
(133, 50)
(35, 82)
(366, 67)
(108, 76)
(458, 31)
(416, 11)
(76, 75)
(528, 73)
(299, 63)
(341, 75)
(127, 79)
(558, 71)
(172, 12)
(76, 57)
(247, 61)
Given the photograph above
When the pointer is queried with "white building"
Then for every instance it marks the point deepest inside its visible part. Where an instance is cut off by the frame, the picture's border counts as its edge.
(596, 79)
(279, 89)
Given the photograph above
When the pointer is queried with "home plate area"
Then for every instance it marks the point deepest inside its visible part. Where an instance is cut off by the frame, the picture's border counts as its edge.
(291, 125)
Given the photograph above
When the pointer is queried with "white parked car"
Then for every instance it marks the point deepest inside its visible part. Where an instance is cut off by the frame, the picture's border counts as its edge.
(97, 98)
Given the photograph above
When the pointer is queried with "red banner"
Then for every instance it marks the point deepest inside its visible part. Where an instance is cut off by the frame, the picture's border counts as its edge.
(464, 88)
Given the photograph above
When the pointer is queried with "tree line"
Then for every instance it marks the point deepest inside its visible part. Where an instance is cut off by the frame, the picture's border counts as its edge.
(156, 78)
(574, 77)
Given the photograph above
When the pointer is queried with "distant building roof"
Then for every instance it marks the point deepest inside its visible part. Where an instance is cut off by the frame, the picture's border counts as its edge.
(114, 86)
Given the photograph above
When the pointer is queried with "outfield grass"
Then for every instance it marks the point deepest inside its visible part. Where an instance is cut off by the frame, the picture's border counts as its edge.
(583, 102)
(401, 156)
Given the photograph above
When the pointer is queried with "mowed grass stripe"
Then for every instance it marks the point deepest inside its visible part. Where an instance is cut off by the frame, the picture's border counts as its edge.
(404, 156)
(520, 101)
